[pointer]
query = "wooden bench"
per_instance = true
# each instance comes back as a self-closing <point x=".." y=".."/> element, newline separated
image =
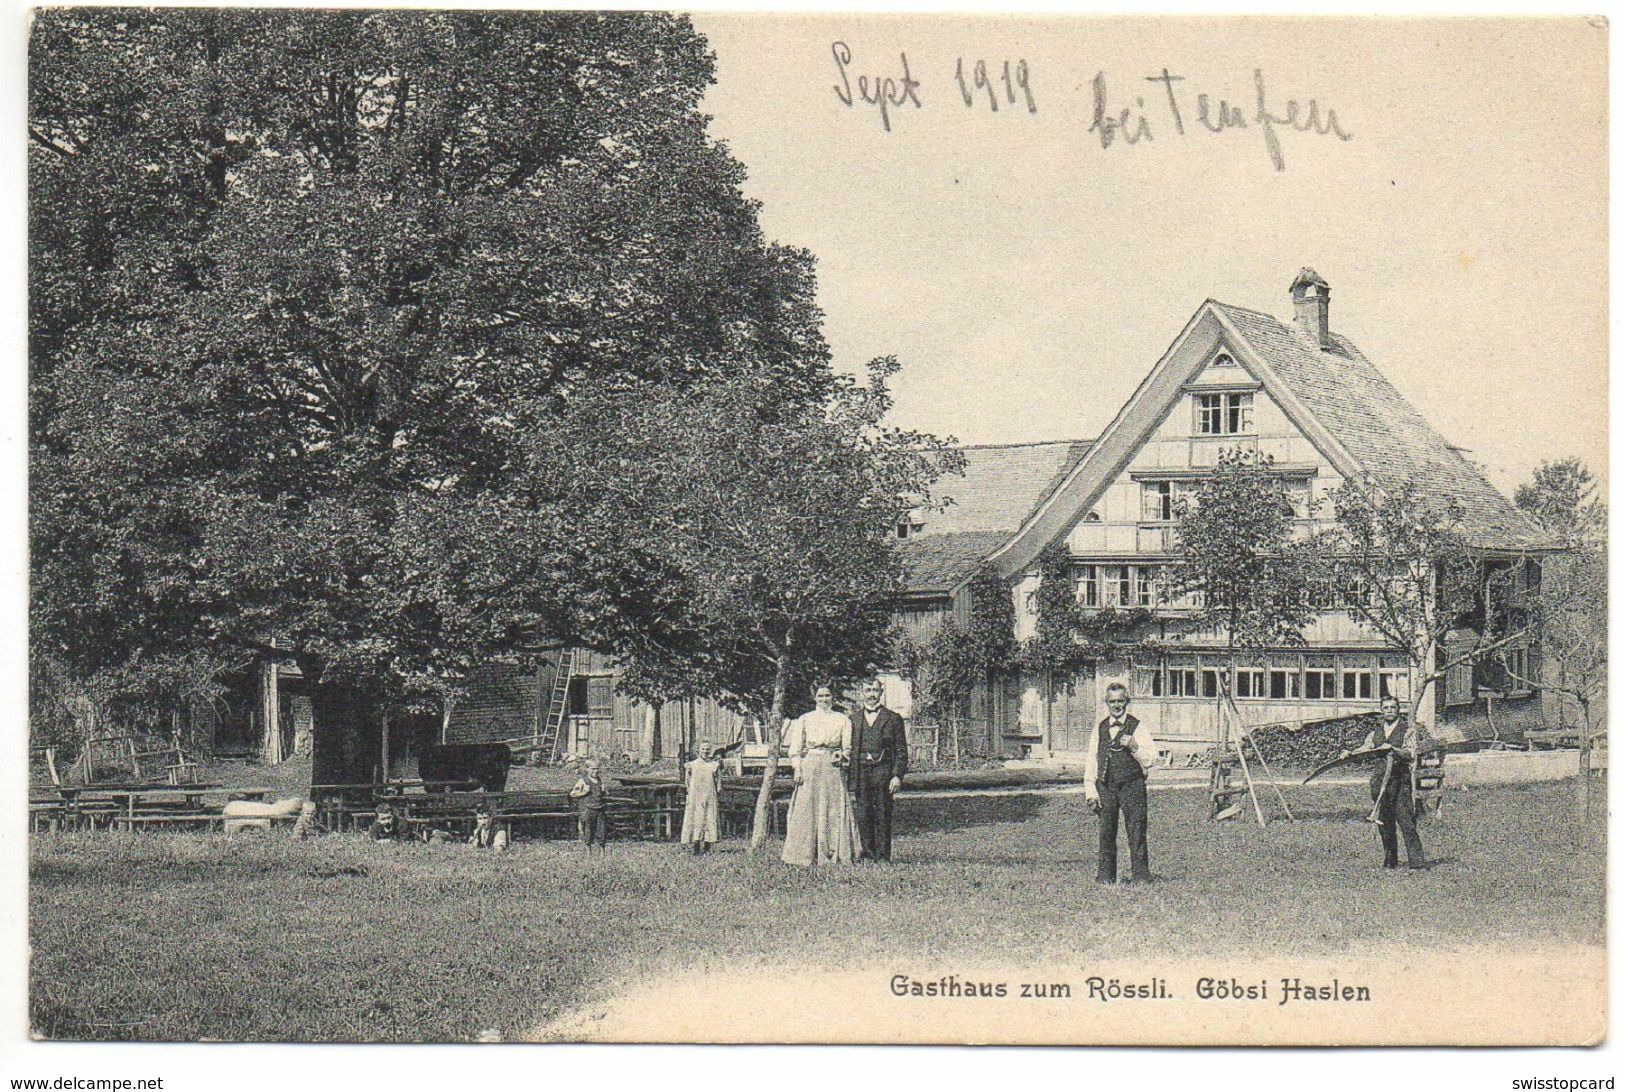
<point x="1553" y="739"/>
<point x="46" y="815"/>
<point x="90" y="814"/>
<point x="640" y="810"/>
<point x="151" y="820"/>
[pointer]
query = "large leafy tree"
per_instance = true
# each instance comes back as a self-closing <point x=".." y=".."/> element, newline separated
<point x="777" y="522"/>
<point x="312" y="296"/>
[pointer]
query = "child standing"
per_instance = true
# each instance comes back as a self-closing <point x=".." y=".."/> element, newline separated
<point x="588" y="794"/>
<point x="702" y="815"/>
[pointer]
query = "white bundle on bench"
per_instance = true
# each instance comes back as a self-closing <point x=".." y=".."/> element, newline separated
<point x="253" y="815"/>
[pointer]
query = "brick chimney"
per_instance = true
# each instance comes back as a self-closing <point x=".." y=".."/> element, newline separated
<point x="1311" y="306"/>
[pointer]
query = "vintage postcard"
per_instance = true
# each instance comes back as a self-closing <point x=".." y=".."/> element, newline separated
<point x="643" y="527"/>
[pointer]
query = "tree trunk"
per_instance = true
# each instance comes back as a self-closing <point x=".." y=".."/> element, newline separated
<point x="1582" y="791"/>
<point x="775" y="740"/>
<point x="685" y="750"/>
<point x="347" y="736"/>
<point x="383" y="745"/>
<point x="1424" y="681"/>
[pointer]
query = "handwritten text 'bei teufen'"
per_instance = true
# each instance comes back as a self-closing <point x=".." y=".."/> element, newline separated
<point x="1175" y="109"/>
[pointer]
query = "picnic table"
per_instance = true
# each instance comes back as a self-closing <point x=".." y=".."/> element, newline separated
<point x="646" y="809"/>
<point x="174" y="806"/>
<point x="1552" y="739"/>
<point x="80" y="807"/>
<point x="137" y="806"/>
<point x="638" y="806"/>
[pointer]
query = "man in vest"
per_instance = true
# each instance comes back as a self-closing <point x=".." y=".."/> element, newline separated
<point x="1391" y="785"/>
<point x="879" y="764"/>
<point x="1119" y="755"/>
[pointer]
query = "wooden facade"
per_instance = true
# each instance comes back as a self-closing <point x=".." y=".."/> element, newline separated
<point x="1234" y="380"/>
<point x="267" y="713"/>
<point x="508" y="702"/>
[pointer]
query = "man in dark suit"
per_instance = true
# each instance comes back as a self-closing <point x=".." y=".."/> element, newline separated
<point x="1114" y="781"/>
<point x="879" y="764"/>
<point x="1392" y="787"/>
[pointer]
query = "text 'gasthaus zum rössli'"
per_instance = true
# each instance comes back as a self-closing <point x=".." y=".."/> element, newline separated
<point x="1287" y="990"/>
<point x="1169" y="107"/>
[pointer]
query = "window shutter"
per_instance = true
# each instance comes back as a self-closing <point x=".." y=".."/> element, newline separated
<point x="1458" y="680"/>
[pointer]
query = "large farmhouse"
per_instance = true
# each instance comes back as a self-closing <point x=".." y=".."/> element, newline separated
<point x="1233" y="378"/>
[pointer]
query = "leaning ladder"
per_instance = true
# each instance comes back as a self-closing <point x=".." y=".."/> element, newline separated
<point x="550" y="735"/>
<point x="1225" y="791"/>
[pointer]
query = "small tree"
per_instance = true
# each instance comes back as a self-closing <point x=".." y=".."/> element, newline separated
<point x="778" y="520"/>
<point x="1054" y="648"/>
<point x="1070" y="636"/>
<point x="1569" y="612"/>
<point x="1569" y="606"/>
<point x="955" y="661"/>
<point x="1562" y="498"/>
<point x="1406" y="569"/>
<point x="1238" y="560"/>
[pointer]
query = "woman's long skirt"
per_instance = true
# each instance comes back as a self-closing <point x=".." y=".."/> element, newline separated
<point x="821" y="828"/>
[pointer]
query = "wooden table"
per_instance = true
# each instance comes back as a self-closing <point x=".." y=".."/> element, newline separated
<point x="170" y="805"/>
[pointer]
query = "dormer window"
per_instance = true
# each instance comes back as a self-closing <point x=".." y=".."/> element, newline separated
<point x="1226" y="414"/>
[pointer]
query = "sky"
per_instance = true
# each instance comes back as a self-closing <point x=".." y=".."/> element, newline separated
<point x="1028" y="276"/>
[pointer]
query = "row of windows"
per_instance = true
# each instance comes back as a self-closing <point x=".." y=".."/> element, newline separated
<point x="1352" y="677"/>
<point x="1160" y="500"/>
<point x="1146" y="586"/>
<point x="1122" y="586"/>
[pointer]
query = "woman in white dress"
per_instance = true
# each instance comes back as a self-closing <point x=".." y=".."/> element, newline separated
<point x="821" y="828"/>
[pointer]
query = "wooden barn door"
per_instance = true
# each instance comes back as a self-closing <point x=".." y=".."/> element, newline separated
<point x="1072" y="712"/>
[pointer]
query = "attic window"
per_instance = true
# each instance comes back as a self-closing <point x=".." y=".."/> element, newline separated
<point x="1224" y="414"/>
<point x="1224" y="360"/>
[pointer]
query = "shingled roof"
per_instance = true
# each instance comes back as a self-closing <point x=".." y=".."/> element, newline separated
<point x="1005" y="485"/>
<point x="1001" y="486"/>
<point x="937" y="564"/>
<point x="1392" y="442"/>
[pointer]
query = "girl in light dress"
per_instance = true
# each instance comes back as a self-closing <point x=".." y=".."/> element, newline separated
<point x="821" y="828"/>
<point x="702" y="813"/>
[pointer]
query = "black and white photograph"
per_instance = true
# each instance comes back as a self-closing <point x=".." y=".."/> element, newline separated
<point x="944" y="529"/>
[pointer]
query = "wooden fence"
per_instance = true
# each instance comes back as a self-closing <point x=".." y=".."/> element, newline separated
<point x="956" y="741"/>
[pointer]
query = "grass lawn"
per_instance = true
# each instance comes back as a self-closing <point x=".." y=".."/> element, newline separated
<point x="188" y="936"/>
